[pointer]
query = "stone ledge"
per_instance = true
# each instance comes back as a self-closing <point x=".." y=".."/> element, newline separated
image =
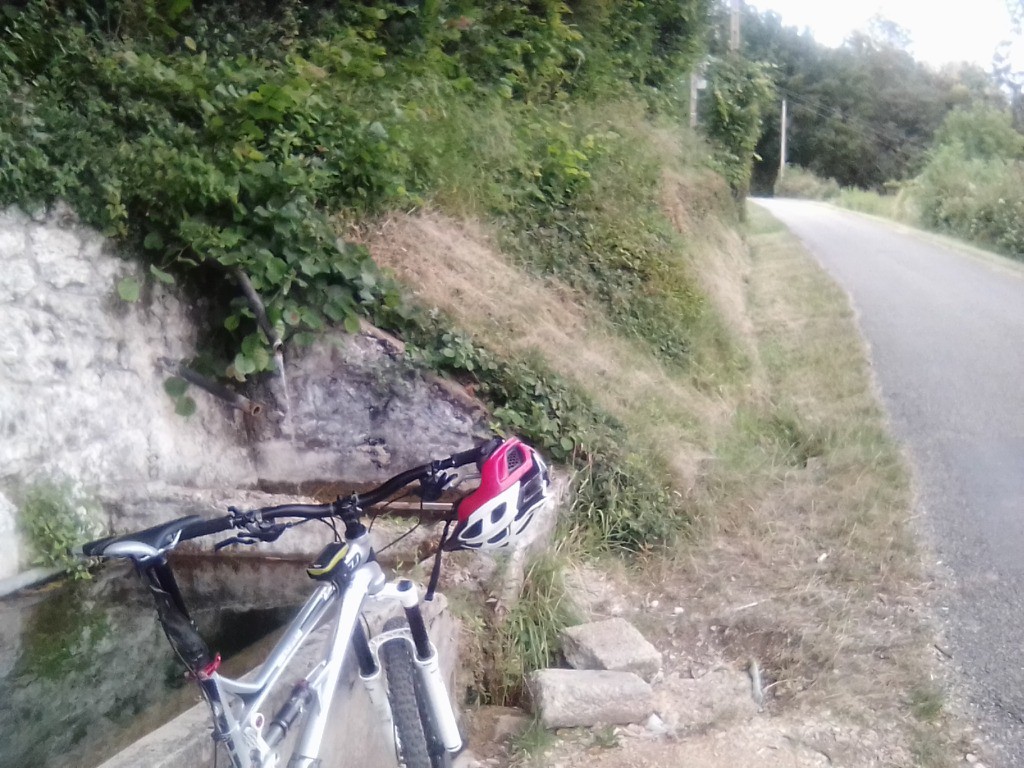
<point x="569" y="698"/>
<point x="612" y="644"/>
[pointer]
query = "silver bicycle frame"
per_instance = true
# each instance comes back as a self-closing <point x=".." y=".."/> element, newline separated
<point x="241" y="724"/>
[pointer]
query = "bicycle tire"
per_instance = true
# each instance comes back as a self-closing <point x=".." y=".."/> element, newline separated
<point x="420" y="746"/>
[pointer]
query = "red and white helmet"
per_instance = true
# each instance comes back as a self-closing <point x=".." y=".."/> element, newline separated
<point x="514" y="484"/>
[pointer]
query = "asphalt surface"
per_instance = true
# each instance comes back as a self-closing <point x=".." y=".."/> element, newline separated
<point x="945" y="327"/>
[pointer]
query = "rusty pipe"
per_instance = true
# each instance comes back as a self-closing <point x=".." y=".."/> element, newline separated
<point x="258" y="309"/>
<point x="218" y="390"/>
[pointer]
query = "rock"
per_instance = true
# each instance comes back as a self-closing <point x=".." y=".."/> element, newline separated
<point x="613" y="644"/>
<point x="721" y="696"/>
<point x="656" y="725"/>
<point x="567" y="698"/>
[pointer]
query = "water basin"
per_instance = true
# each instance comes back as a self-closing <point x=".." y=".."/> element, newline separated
<point x="85" y="668"/>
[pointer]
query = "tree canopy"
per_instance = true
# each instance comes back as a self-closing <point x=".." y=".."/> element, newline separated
<point x="865" y="113"/>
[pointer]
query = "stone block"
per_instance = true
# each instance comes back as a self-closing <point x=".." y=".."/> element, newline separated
<point x="567" y="698"/>
<point x="612" y="644"/>
<point x="720" y="697"/>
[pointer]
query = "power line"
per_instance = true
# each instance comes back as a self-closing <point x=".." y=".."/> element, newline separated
<point x="853" y="123"/>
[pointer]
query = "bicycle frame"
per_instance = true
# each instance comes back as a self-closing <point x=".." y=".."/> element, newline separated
<point x="236" y="704"/>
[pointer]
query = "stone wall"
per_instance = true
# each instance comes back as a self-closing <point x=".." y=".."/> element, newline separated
<point x="81" y="393"/>
<point x="82" y="398"/>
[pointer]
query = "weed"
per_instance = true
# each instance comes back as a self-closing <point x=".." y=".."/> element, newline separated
<point x="930" y="748"/>
<point x="801" y="183"/>
<point x="532" y="741"/>
<point x="55" y="519"/>
<point x="926" y="703"/>
<point x="606" y="738"/>
<point x="528" y="638"/>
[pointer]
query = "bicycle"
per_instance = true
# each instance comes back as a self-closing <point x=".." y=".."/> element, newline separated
<point x="398" y="667"/>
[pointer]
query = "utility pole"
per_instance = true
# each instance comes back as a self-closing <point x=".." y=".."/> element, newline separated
<point x="734" y="27"/>
<point x="782" y="149"/>
<point x="694" y="93"/>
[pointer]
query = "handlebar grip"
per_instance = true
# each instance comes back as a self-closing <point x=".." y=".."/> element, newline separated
<point x="207" y="527"/>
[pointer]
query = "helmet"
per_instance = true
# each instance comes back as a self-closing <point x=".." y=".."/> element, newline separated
<point x="513" y="485"/>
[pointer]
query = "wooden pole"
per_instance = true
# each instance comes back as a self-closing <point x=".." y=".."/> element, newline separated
<point x="782" y="149"/>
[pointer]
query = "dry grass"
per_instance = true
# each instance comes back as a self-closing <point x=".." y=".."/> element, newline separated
<point x="803" y="559"/>
<point x="455" y="266"/>
<point x="807" y="515"/>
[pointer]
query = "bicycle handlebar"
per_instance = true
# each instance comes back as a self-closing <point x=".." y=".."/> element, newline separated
<point x="347" y="508"/>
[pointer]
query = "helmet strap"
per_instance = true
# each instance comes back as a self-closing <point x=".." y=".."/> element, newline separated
<point x="435" y="573"/>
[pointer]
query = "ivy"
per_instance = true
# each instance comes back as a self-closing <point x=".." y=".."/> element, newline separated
<point x="228" y="144"/>
<point x="622" y="500"/>
<point x="741" y="92"/>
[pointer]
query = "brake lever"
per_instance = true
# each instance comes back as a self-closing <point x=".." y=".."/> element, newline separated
<point x="432" y="487"/>
<point x="460" y="478"/>
<point x="255" y="533"/>
<point x="246" y="540"/>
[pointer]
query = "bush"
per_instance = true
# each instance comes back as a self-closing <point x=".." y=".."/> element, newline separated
<point x="981" y="200"/>
<point x="806" y="185"/>
<point x="981" y="133"/>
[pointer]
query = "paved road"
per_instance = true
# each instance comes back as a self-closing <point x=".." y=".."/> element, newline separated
<point x="946" y="331"/>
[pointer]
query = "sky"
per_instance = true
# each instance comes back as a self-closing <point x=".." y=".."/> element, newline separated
<point x="940" y="31"/>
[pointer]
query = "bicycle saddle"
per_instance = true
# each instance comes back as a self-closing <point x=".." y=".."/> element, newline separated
<point x="150" y="542"/>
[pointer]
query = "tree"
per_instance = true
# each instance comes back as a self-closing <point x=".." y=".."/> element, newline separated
<point x="981" y="133"/>
<point x="864" y="113"/>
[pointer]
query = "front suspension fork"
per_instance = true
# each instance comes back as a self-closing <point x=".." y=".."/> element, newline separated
<point x="425" y="659"/>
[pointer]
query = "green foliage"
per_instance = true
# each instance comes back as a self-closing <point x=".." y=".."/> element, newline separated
<point x="176" y="388"/>
<point x="806" y="185"/>
<point x="864" y="113"/>
<point x="977" y="199"/>
<point x="210" y="163"/>
<point x="230" y="142"/>
<point x="216" y="139"/>
<point x="623" y="502"/>
<point x="981" y="133"/>
<point x="55" y="519"/>
<point x="649" y="43"/>
<point x="532" y="741"/>
<point x="594" y="221"/>
<point x="899" y="205"/>
<point x="927" y="703"/>
<point x="740" y="94"/>
<point x="528" y="639"/>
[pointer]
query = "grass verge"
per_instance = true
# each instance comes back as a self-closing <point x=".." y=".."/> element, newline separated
<point x="806" y="517"/>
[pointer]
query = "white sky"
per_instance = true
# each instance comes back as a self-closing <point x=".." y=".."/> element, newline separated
<point x="940" y="31"/>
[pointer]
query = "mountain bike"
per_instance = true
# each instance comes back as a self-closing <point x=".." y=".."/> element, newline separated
<point x="398" y="667"/>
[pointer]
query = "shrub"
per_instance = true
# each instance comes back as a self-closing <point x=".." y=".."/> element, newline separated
<point x="981" y="200"/>
<point x="981" y="133"/>
<point x="804" y="184"/>
<point x="55" y="518"/>
<point x="740" y="93"/>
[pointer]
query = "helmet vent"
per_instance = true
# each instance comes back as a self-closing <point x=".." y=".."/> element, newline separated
<point x="498" y="512"/>
<point x="474" y="530"/>
<point x="515" y="460"/>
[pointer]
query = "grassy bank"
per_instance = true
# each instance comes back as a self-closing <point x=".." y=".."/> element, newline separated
<point x="770" y="442"/>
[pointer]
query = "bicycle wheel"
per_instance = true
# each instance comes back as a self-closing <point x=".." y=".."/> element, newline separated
<point x="419" y="745"/>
